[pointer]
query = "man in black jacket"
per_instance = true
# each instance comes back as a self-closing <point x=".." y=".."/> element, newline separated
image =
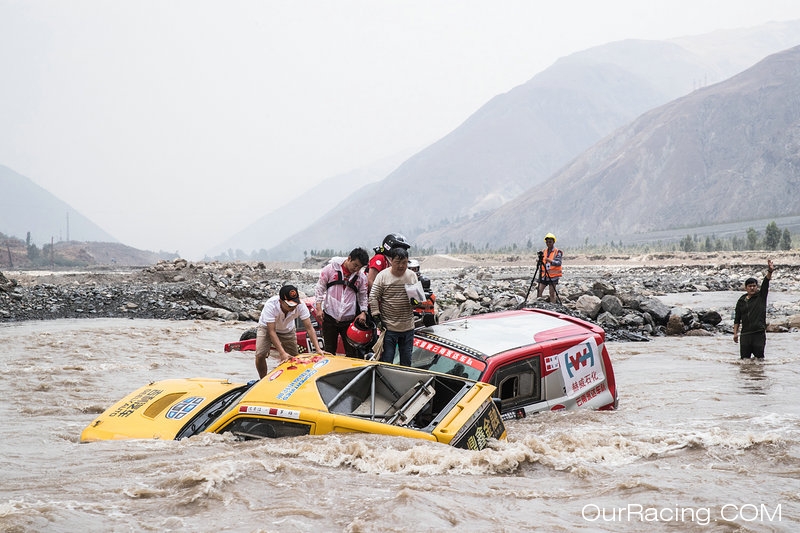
<point x="751" y="315"/>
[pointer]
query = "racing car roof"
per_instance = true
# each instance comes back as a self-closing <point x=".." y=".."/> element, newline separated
<point x="493" y="333"/>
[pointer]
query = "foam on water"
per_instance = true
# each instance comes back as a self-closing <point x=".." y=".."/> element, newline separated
<point x="695" y="427"/>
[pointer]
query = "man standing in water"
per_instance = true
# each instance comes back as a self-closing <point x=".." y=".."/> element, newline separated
<point x="751" y="315"/>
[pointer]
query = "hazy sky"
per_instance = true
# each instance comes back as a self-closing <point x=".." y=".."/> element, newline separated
<point x="175" y="124"/>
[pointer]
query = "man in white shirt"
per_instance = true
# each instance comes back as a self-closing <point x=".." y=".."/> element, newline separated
<point x="276" y="327"/>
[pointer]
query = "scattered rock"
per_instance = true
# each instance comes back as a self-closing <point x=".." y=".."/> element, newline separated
<point x="656" y="309"/>
<point x="589" y="304"/>
<point x="675" y="325"/>
<point x="621" y="299"/>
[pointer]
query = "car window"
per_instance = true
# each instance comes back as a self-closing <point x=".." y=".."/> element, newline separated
<point x="212" y="412"/>
<point x="432" y="357"/>
<point x="518" y="383"/>
<point x="247" y="428"/>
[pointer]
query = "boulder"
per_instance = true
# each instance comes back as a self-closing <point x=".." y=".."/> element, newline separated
<point x="589" y="305"/>
<point x="656" y="309"/>
<point x="709" y="317"/>
<point x="612" y="304"/>
<point x="602" y="287"/>
<point x="607" y="320"/>
<point x="675" y="325"/>
<point x="630" y="300"/>
<point x="472" y="294"/>
<point x="469" y="308"/>
<point x="633" y="319"/>
<point x="699" y="333"/>
<point x="686" y="315"/>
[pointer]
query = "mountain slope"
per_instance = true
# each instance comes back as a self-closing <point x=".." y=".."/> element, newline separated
<point x="724" y="153"/>
<point x="273" y="227"/>
<point x="26" y="207"/>
<point x="513" y="142"/>
<point x="519" y="139"/>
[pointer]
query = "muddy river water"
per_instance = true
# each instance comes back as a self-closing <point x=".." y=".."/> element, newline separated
<point x="701" y="442"/>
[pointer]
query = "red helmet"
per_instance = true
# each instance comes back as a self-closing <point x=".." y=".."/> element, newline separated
<point x="359" y="335"/>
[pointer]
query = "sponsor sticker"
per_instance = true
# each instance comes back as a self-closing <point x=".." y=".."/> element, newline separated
<point x="582" y="370"/>
<point x="141" y="399"/>
<point x="296" y="383"/>
<point x="269" y="411"/>
<point x="449" y="353"/>
<point x="184" y="407"/>
<point x="550" y="364"/>
<point x="480" y="428"/>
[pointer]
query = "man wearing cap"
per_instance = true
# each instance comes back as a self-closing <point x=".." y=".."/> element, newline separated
<point x="276" y="327"/>
<point x="550" y="271"/>
<point x="751" y="317"/>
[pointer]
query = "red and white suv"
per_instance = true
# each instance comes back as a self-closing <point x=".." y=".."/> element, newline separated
<point x="539" y="360"/>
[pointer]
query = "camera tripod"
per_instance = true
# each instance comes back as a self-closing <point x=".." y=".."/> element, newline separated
<point x="544" y="277"/>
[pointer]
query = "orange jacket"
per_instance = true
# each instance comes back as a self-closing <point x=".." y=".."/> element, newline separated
<point x="555" y="266"/>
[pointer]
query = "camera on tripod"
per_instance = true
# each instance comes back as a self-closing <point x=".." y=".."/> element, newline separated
<point x="541" y="255"/>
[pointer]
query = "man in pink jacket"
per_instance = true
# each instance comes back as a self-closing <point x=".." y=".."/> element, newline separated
<point x="341" y="297"/>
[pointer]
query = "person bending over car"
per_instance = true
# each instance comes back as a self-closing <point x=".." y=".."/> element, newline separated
<point x="276" y="327"/>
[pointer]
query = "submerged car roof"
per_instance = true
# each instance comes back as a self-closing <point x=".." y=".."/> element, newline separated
<point x="493" y="333"/>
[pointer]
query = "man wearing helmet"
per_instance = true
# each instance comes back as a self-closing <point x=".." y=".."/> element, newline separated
<point x="383" y="254"/>
<point x="550" y="271"/>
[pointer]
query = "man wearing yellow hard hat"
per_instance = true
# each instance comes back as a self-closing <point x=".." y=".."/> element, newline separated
<point x="550" y="271"/>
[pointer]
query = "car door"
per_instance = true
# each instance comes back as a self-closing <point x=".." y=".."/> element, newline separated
<point x="519" y="383"/>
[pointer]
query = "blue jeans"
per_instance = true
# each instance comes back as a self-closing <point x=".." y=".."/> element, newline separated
<point x="402" y="339"/>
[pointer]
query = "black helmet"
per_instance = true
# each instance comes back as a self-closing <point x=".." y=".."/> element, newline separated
<point x="394" y="240"/>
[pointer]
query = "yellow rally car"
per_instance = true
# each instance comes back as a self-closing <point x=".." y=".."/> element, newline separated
<point x="311" y="394"/>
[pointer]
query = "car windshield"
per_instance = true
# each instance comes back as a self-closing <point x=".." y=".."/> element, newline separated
<point x="431" y="356"/>
<point x="212" y="412"/>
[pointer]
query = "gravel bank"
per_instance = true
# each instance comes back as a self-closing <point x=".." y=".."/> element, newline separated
<point x="631" y="297"/>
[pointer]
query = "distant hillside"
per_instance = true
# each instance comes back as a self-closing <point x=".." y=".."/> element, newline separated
<point x="26" y="207"/>
<point x="273" y="227"/>
<point x="15" y="255"/>
<point x="725" y="153"/>
<point x="521" y="138"/>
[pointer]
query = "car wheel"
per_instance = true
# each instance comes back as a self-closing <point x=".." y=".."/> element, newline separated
<point x="248" y="334"/>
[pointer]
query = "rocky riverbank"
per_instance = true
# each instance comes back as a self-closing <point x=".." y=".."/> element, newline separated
<point x="633" y="298"/>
